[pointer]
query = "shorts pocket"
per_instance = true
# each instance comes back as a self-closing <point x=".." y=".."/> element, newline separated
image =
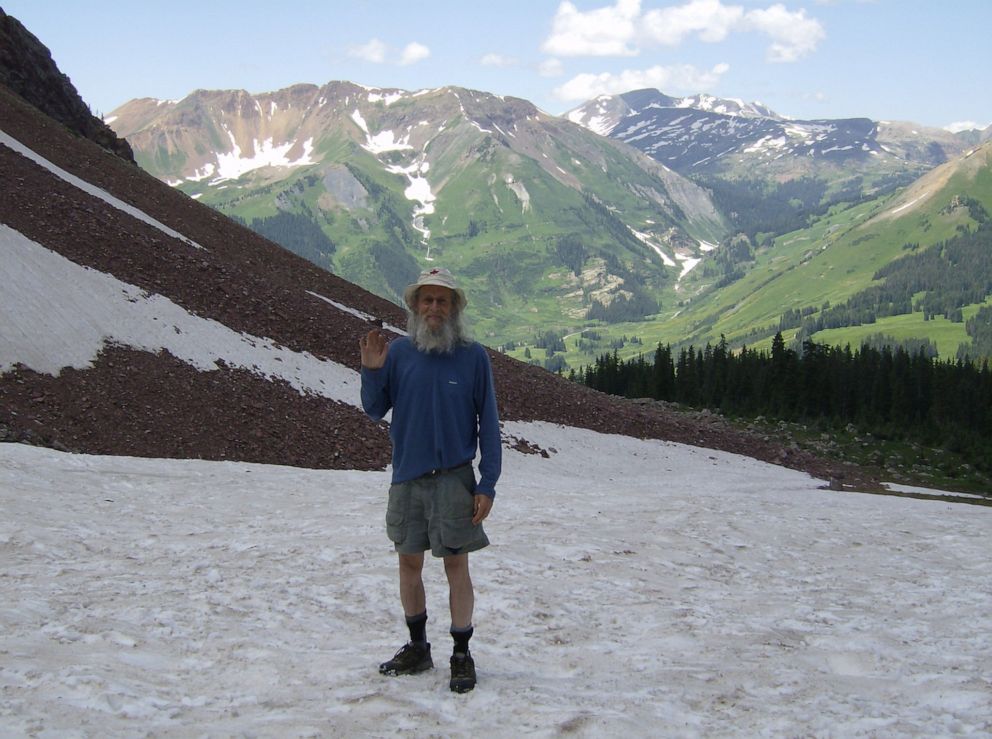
<point x="459" y="532"/>
<point x="396" y="512"/>
<point x="458" y="506"/>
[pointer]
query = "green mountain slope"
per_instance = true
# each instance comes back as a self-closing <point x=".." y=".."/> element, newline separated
<point x="543" y="218"/>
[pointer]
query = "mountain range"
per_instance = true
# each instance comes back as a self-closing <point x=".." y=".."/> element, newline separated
<point x="703" y="135"/>
<point x="621" y="224"/>
<point x="541" y="216"/>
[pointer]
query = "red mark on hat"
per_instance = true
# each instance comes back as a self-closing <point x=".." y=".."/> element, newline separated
<point x="435" y="271"/>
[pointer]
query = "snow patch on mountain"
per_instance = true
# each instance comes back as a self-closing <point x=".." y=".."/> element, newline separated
<point x="689" y="263"/>
<point x="419" y="191"/>
<point x="233" y="164"/>
<point x="768" y="142"/>
<point x="386" y="141"/>
<point x="631" y="133"/>
<point x="386" y="97"/>
<point x="359" y="120"/>
<point x="382" y="142"/>
<point x="357" y="313"/>
<point x="726" y="106"/>
<point x="646" y="238"/>
<point x="600" y="120"/>
<point x="418" y="188"/>
<point x="48" y="330"/>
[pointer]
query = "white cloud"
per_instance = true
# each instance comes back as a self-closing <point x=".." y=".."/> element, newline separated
<point x="960" y="126"/>
<point x="710" y="19"/>
<point x="602" y="32"/>
<point x="623" y="29"/>
<point x="378" y="52"/>
<point x="413" y="53"/>
<point x="679" y="77"/>
<point x="498" y="60"/>
<point x="793" y="34"/>
<point x="551" y="68"/>
<point x="373" y="51"/>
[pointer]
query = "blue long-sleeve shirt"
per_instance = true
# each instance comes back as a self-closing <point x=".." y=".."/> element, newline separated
<point x="444" y="407"/>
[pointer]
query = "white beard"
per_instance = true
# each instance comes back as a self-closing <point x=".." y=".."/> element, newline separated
<point x="441" y="340"/>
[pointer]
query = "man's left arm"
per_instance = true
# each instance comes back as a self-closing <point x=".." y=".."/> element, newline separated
<point x="490" y="444"/>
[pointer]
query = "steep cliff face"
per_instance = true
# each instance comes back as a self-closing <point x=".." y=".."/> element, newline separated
<point x="27" y="68"/>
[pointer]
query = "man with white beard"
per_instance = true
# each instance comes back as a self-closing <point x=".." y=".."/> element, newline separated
<point x="439" y="385"/>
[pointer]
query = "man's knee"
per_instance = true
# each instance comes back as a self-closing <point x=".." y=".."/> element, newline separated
<point x="411" y="563"/>
<point x="456" y="565"/>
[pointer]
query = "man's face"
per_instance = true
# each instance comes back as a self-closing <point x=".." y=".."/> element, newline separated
<point x="434" y="304"/>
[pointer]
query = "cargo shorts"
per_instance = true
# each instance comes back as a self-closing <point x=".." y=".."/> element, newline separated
<point x="435" y="512"/>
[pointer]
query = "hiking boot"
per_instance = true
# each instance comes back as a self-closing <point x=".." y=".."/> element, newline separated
<point x="411" y="659"/>
<point x="462" y="673"/>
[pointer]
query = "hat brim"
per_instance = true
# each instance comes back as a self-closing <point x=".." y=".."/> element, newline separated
<point x="411" y="293"/>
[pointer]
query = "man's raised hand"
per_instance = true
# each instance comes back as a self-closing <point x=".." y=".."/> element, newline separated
<point x="374" y="348"/>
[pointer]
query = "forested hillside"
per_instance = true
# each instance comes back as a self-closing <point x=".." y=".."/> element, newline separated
<point x="890" y="394"/>
<point x="940" y="280"/>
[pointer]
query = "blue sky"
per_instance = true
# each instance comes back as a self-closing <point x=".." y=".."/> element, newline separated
<point x="912" y="60"/>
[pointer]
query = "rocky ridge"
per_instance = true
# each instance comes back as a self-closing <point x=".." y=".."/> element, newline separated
<point x="27" y="69"/>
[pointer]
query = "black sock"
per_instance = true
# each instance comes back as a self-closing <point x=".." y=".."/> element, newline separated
<point x="461" y="637"/>
<point x="418" y="628"/>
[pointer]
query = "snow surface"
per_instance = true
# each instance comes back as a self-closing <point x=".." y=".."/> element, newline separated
<point x="633" y="587"/>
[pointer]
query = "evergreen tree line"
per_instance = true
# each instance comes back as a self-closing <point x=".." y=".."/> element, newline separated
<point x="755" y="208"/>
<point x="623" y="308"/>
<point x="979" y="328"/>
<point x="891" y="393"/>
<point x="551" y="341"/>
<point x="297" y="233"/>
<point x="597" y="216"/>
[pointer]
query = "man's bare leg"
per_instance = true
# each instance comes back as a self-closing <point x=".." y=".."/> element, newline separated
<point x="461" y="596"/>
<point x="412" y="594"/>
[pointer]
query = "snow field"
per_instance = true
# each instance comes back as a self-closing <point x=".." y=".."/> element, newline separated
<point x="639" y="587"/>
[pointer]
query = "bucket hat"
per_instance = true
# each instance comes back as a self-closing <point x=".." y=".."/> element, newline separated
<point x="434" y="276"/>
